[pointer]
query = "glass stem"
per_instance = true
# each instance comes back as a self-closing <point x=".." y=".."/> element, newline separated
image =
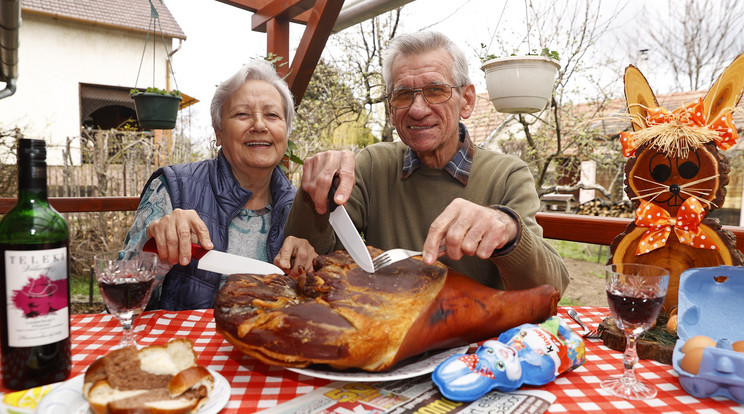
<point x="127" y="331"/>
<point x="630" y="357"/>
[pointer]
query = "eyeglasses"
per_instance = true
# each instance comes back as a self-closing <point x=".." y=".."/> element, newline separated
<point x="434" y="94"/>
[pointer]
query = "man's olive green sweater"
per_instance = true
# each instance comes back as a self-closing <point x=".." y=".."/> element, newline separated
<point x="392" y="213"/>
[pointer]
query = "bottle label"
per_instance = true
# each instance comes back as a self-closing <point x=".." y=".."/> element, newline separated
<point x="36" y="285"/>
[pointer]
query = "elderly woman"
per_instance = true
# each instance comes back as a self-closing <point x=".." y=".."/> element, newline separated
<point x="237" y="202"/>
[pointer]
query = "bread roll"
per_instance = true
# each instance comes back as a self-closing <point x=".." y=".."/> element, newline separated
<point x="158" y="379"/>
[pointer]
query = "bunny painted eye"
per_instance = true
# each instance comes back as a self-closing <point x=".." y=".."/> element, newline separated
<point x="500" y="365"/>
<point x="689" y="168"/>
<point x="660" y="168"/>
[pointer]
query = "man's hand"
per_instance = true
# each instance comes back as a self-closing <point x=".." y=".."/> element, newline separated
<point x="174" y="234"/>
<point x="468" y="229"/>
<point x="295" y="253"/>
<point x="318" y="173"/>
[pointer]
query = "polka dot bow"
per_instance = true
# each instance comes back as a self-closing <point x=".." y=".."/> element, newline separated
<point x="660" y="223"/>
<point x="692" y="114"/>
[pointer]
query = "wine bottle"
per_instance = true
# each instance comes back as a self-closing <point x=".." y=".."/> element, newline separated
<point x="34" y="291"/>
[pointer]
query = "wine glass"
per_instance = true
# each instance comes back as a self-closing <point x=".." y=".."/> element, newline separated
<point x="126" y="280"/>
<point x="635" y="293"/>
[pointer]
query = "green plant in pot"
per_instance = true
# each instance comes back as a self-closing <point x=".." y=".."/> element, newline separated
<point x="156" y="108"/>
<point x="521" y="84"/>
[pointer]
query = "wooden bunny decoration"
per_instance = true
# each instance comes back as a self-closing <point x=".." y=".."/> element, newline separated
<point x="675" y="174"/>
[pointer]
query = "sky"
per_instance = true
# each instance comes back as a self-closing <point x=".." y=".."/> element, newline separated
<point x="219" y="40"/>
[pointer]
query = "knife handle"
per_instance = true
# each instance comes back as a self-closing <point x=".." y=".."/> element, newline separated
<point x="197" y="251"/>
<point x="331" y="202"/>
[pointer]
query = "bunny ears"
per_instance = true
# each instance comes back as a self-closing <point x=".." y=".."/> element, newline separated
<point x="687" y="127"/>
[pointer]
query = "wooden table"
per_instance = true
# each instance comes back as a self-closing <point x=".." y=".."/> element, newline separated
<point x="256" y="386"/>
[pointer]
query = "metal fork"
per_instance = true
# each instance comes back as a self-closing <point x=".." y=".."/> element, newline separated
<point x="391" y="256"/>
<point x="589" y="334"/>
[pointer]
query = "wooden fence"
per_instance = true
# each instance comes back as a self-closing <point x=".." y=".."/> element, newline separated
<point x="98" y="184"/>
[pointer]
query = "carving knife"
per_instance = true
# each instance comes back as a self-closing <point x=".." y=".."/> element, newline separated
<point x="224" y="263"/>
<point x="348" y="234"/>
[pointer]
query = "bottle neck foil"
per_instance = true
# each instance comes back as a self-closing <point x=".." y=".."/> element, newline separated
<point x="32" y="168"/>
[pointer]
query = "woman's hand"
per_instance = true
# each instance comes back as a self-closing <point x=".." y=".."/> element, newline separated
<point x="174" y="233"/>
<point x="295" y="253"/>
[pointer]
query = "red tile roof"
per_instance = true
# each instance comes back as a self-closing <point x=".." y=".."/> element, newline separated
<point x="485" y="119"/>
<point x="125" y="14"/>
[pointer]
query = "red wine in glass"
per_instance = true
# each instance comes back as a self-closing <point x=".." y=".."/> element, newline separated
<point x="126" y="280"/>
<point x="634" y="313"/>
<point x="635" y="294"/>
<point x="126" y="294"/>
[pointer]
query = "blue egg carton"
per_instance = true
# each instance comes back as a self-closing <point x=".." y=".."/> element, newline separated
<point x="711" y="306"/>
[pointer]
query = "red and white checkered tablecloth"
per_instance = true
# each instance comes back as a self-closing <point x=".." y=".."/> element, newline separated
<point x="578" y="391"/>
<point x="256" y="386"/>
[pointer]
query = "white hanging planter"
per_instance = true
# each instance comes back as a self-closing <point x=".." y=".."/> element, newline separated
<point x="520" y="84"/>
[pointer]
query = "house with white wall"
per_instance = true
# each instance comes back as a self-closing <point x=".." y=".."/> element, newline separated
<point x="77" y="61"/>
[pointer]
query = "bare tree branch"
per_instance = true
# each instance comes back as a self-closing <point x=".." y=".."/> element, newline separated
<point x="695" y="39"/>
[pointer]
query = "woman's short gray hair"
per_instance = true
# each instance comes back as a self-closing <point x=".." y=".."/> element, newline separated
<point x="257" y="69"/>
<point x="423" y="42"/>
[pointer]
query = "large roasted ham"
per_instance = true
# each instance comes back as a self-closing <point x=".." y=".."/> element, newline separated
<point x="340" y="315"/>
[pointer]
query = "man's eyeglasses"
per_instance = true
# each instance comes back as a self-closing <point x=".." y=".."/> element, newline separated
<point x="434" y="94"/>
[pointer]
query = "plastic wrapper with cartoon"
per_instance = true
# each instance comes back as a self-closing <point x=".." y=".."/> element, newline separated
<point x="527" y="354"/>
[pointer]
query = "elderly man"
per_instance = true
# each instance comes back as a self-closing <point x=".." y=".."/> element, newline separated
<point x="435" y="188"/>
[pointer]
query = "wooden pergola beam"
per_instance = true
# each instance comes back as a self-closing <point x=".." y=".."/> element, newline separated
<point x="255" y="5"/>
<point x="274" y="16"/>
<point x="284" y="10"/>
<point x="277" y="44"/>
<point x="319" y="27"/>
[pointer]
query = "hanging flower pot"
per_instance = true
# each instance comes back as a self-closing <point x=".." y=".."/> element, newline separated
<point x="520" y="84"/>
<point x="156" y="109"/>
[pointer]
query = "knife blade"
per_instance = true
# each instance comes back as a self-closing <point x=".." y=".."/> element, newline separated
<point x="348" y="234"/>
<point x="221" y="262"/>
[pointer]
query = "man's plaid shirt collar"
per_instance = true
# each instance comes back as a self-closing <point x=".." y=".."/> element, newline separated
<point x="458" y="167"/>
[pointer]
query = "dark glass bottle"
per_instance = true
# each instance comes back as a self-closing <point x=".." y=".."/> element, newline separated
<point x="34" y="291"/>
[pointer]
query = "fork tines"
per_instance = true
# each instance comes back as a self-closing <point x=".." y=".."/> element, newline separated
<point x="594" y="333"/>
<point x="380" y="261"/>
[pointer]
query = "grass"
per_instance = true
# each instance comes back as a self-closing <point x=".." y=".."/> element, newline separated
<point x="568" y="302"/>
<point x="579" y="251"/>
<point x="598" y="275"/>
<point x="80" y="286"/>
<point x="659" y="333"/>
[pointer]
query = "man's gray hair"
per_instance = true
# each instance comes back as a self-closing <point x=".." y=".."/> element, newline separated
<point x="423" y="42"/>
<point x="257" y="69"/>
